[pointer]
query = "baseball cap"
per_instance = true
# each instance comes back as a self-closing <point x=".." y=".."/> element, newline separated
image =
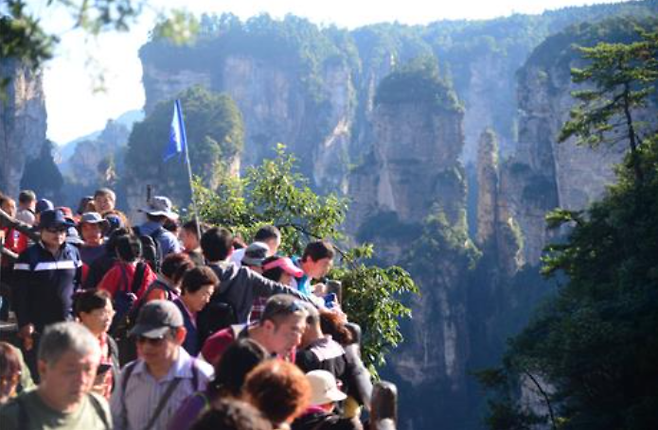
<point x="255" y="254"/>
<point x="156" y="318"/>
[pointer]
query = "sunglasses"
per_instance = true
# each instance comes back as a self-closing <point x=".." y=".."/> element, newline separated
<point x="55" y="230"/>
<point x="154" y="341"/>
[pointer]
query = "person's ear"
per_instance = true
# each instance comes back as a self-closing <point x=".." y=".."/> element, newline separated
<point x="42" y="368"/>
<point x="180" y="335"/>
<point x="269" y="326"/>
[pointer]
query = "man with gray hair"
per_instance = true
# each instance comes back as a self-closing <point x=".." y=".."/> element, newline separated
<point x="68" y="358"/>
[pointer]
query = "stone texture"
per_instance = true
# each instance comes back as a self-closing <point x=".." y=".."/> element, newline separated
<point x="23" y="130"/>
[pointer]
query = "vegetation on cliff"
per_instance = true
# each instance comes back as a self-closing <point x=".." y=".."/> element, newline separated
<point x="590" y="350"/>
<point x="214" y="132"/>
<point x="417" y="82"/>
<point x="274" y="193"/>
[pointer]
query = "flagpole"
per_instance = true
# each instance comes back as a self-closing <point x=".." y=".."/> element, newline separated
<point x="189" y="172"/>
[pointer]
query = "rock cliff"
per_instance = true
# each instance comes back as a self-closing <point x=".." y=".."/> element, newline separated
<point x="23" y="131"/>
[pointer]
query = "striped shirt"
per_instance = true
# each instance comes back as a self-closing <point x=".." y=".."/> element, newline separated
<point x="133" y="410"/>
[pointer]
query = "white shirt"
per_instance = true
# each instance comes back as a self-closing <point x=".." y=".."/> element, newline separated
<point x="143" y="392"/>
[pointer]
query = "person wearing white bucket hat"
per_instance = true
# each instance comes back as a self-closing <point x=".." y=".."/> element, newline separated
<point x="324" y="395"/>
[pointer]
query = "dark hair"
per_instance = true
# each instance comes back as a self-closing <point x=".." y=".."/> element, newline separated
<point x="280" y="306"/>
<point x="125" y="222"/>
<point x="190" y="227"/>
<point x="111" y="244"/>
<point x="10" y="362"/>
<point x="26" y="196"/>
<point x="82" y="206"/>
<point x="333" y="325"/>
<point x="196" y="278"/>
<point x="238" y="242"/>
<point x="156" y="218"/>
<point x="129" y="248"/>
<point x="216" y="244"/>
<point x="171" y="225"/>
<point x="318" y="250"/>
<point x="90" y="300"/>
<point x="232" y="368"/>
<point x="278" y="389"/>
<point x="174" y="266"/>
<point x="267" y="232"/>
<point x="231" y="414"/>
<point x="275" y="272"/>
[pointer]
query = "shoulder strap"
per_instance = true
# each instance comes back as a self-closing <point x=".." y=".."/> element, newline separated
<point x="124" y="277"/>
<point x="99" y="410"/>
<point x="195" y="375"/>
<point x="138" y="277"/>
<point x="163" y="402"/>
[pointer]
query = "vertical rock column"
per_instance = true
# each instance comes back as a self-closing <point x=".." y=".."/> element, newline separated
<point x="23" y="129"/>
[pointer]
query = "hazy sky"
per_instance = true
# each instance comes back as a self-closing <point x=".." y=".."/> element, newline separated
<point x="75" y="110"/>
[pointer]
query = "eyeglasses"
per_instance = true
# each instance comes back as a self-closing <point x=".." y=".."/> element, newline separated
<point x="154" y="341"/>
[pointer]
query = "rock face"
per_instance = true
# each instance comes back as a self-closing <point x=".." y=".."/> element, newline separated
<point x="413" y="165"/>
<point x="545" y="174"/>
<point x="24" y="123"/>
<point x="276" y="107"/>
<point x="487" y="179"/>
<point x="94" y="161"/>
<point x="489" y="99"/>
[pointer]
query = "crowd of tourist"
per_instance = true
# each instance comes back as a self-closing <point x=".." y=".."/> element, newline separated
<point x="168" y="325"/>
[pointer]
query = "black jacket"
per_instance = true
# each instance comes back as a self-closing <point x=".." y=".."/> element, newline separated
<point x="320" y="420"/>
<point x="45" y="285"/>
<point x="238" y="286"/>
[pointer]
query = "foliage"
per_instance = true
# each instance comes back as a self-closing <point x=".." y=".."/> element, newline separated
<point x="23" y="38"/>
<point x="274" y="193"/>
<point x="623" y="75"/>
<point x="417" y="82"/>
<point x="292" y="43"/>
<point x="594" y="343"/>
<point x="215" y="135"/>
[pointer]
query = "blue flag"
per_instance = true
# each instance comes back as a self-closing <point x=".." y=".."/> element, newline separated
<point x="177" y="137"/>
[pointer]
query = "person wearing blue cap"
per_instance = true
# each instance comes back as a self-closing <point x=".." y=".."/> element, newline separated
<point x="48" y="273"/>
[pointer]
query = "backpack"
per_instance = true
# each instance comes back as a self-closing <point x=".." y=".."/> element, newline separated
<point x="151" y="248"/>
<point x="155" y="285"/>
<point x="125" y="299"/>
<point x="216" y="315"/>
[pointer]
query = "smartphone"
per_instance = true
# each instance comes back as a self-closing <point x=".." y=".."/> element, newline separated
<point x="330" y="300"/>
